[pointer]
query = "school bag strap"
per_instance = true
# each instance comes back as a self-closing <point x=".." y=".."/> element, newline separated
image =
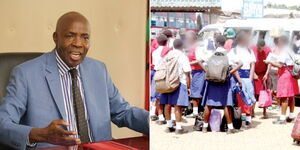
<point x="165" y="51"/>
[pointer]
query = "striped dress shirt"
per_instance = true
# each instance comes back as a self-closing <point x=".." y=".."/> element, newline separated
<point x="66" y="84"/>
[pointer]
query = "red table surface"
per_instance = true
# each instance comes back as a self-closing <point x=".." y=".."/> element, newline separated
<point x="141" y="143"/>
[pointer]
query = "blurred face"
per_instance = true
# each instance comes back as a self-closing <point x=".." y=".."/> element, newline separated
<point x="281" y="43"/>
<point x="72" y="40"/>
<point x="190" y="39"/>
<point x="244" y="40"/>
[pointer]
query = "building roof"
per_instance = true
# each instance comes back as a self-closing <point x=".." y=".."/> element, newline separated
<point x="184" y="5"/>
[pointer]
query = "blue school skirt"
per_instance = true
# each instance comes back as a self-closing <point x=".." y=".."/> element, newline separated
<point x="178" y="97"/>
<point x="244" y="73"/>
<point x="197" y="83"/>
<point x="153" y="94"/>
<point x="247" y="93"/>
<point x="219" y="94"/>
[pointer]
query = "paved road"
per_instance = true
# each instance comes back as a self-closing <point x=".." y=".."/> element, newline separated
<point x="263" y="136"/>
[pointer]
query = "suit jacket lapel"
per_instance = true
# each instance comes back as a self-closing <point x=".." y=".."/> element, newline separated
<point x="52" y="76"/>
<point x="90" y="91"/>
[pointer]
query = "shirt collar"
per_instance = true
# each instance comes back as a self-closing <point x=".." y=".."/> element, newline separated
<point x="63" y="68"/>
<point x="220" y="49"/>
<point x="240" y="47"/>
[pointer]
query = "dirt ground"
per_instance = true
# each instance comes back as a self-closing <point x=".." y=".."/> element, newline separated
<point x="262" y="136"/>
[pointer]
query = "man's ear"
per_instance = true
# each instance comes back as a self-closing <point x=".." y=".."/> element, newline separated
<point x="55" y="37"/>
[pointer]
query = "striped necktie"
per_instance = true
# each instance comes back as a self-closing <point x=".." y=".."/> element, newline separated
<point x="79" y="109"/>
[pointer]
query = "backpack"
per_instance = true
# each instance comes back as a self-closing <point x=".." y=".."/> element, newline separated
<point x="166" y="77"/>
<point x="296" y="68"/>
<point x="217" y="68"/>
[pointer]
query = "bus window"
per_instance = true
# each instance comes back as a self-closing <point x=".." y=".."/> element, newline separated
<point x="269" y="40"/>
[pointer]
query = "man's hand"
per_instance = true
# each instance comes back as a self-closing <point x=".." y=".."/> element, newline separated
<point x="53" y="134"/>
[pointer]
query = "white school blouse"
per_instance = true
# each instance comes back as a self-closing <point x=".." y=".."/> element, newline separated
<point x="244" y="55"/>
<point x="200" y="54"/>
<point x="220" y="49"/>
<point x="286" y="56"/>
<point x="156" y="56"/>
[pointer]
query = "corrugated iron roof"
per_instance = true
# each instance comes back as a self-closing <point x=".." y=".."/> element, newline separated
<point x="185" y="3"/>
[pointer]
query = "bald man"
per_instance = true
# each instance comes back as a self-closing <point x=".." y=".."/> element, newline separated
<point x="63" y="97"/>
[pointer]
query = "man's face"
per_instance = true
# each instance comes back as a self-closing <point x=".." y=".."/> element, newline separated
<point x="72" y="42"/>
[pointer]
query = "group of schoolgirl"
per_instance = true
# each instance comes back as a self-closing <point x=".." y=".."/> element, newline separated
<point x="193" y="84"/>
<point x="169" y="105"/>
<point x="248" y="67"/>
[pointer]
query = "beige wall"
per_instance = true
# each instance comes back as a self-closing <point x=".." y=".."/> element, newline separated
<point x="118" y="37"/>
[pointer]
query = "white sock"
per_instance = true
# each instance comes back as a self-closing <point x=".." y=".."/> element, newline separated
<point x="248" y="118"/>
<point x="282" y="117"/>
<point x="173" y="116"/>
<point x="169" y="124"/>
<point x="195" y="110"/>
<point x="205" y="125"/>
<point x="230" y="126"/>
<point x="152" y="111"/>
<point x="161" y="117"/>
<point x="291" y="115"/>
<point x="178" y="125"/>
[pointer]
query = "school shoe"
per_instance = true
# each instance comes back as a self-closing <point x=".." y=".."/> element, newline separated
<point x="204" y="129"/>
<point x="231" y="131"/>
<point x="247" y="125"/>
<point x="181" y="131"/>
<point x="288" y="119"/>
<point x="153" y="118"/>
<point x="161" y="122"/>
<point x="169" y="130"/>
<point x="279" y="121"/>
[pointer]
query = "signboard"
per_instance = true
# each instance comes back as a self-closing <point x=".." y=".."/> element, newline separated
<point x="253" y="8"/>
